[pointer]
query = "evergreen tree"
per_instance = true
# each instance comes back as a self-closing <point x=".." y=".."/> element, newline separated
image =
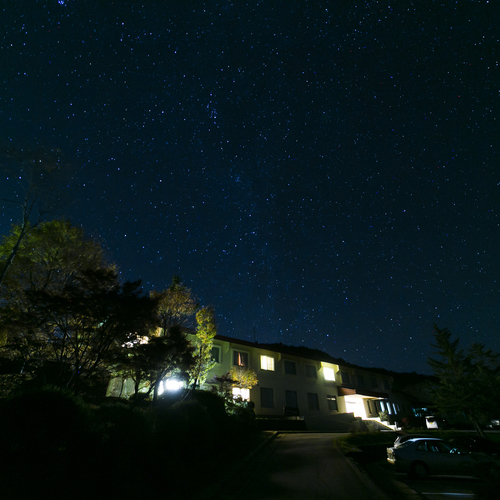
<point x="468" y="382"/>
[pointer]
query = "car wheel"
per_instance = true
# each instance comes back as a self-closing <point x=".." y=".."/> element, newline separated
<point x="419" y="470"/>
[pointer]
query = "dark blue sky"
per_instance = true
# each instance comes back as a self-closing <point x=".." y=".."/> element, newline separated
<point x="322" y="173"/>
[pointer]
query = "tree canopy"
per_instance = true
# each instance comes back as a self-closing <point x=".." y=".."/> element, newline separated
<point x="468" y="381"/>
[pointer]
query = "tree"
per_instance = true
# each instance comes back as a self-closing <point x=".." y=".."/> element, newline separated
<point x="149" y="363"/>
<point x="85" y="323"/>
<point x="37" y="169"/>
<point x="176" y="305"/>
<point x="48" y="258"/>
<point x="244" y="378"/>
<point x="63" y="307"/>
<point x="203" y="343"/>
<point x="239" y="377"/>
<point x="467" y="381"/>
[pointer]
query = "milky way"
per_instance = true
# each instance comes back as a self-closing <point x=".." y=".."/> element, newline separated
<point x="322" y="173"/>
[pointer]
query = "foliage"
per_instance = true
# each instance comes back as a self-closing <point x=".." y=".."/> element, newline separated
<point x="42" y="420"/>
<point x="352" y="441"/>
<point x="241" y="377"/>
<point x="148" y="363"/>
<point x="176" y="305"/>
<point x="40" y="172"/>
<point x="63" y="307"/>
<point x="48" y="259"/>
<point x="244" y="378"/>
<point x="83" y="325"/>
<point x="203" y="343"/>
<point x="384" y="416"/>
<point x="468" y="382"/>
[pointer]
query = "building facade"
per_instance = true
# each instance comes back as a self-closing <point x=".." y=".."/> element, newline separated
<point x="307" y="383"/>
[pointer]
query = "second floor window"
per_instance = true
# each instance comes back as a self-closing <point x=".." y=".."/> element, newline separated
<point x="290" y="367"/>
<point x="240" y="359"/>
<point x="311" y="371"/>
<point x="267" y="363"/>
<point x="329" y="373"/>
<point x="216" y="354"/>
<point x="345" y="377"/>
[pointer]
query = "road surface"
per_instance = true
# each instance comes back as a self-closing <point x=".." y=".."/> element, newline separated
<point x="299" y="467"/>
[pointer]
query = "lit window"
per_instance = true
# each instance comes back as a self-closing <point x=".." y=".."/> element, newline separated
<point x="329" y="373"/>
<point x="240" y="359"/>
<point x="267" y="363"/>
<point x="244" y="393"/>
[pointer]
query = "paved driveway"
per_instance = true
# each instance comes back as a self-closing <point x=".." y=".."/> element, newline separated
<point x="302" y="466"/>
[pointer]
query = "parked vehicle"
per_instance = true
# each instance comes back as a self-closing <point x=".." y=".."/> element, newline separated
<point x="403" y="438"/>
<point x="494" y="424"/>
<point x="421" y="457"/>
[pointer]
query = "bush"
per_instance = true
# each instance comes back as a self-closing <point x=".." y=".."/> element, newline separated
<point x="43" y="420"/>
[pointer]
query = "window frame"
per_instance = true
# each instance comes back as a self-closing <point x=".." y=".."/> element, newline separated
<point x="267" y="363"/>
<point x="332" y="401"/>
<point x="289" y="362"/>
<point x="219" y="351"/>
<point x="244" y="353"/>
<point x="310" y="367"/>
<point x="269" y="393"/>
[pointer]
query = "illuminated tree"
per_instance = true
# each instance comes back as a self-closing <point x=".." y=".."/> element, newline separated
<point x="176" y="305"/>
<point x="203" y="343"/>
<point x="243" y="378"/>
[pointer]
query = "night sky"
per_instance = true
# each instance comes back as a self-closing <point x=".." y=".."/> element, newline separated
<point x="323" y="173"/>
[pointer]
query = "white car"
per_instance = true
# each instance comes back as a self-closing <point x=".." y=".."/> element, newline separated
<point x="423" y="456"/>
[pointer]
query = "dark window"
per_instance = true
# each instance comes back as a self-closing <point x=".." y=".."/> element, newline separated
<point x="312" y="400"/>
<point x="290" y="367"/>
<point x="291" y="399"/>
<point x="266" y="397"/>
<point x="240" y="359"/>
<point x="311" y="371"/>
<point x="385" y="383"/>
<point x="361" y="380"/>
<point x="346" y="379"/>
<point x="373" y="381"/>
<point x="216" y="354"/>
<point x="332" y="403"/>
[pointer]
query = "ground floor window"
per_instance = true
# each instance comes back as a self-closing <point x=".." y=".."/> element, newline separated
<point x="332" y="403"/>
<point x="244" y="393"/>
<point x="266" y="397"/>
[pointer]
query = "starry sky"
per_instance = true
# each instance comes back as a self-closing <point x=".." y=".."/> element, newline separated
<point x="323" y="173"/>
